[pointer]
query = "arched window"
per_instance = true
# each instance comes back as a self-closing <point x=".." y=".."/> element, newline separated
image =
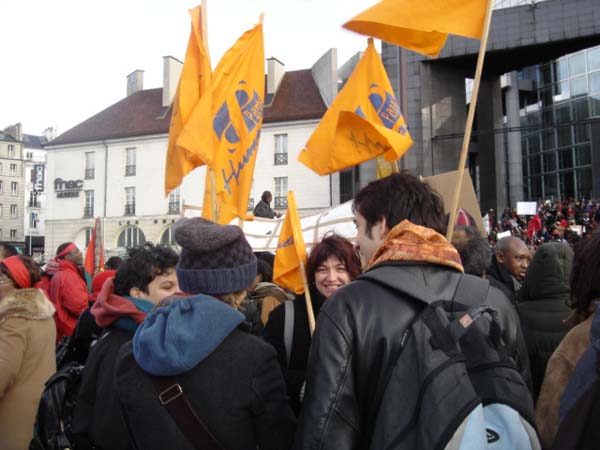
<point x="168" y="237"/>
<point x="82" y="239"/>
<point x="131" y="237"/>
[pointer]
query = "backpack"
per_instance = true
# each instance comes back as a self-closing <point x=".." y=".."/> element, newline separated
<point x="452" y="385"/>
<point x="54" y="420"/>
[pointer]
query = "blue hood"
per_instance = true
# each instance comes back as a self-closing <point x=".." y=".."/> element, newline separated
<point x="175" y="338"/>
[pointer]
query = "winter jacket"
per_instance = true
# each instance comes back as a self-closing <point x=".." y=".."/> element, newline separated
<point x="231" y="378"/>
<point x="98" y="419"/>
<point x="27" y="360"/>
<point x="558" y="372"/>
<point x="268" y="295"/>
<point x="263" y="209"/>
<point x="359" y="332"/>
<point x="70" y="296"/>
<point x="294" y="373"/>
<point x="501" y="279"/>
<point x="542" y="308"/>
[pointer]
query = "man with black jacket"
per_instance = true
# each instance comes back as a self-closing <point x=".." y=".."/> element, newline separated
<point x="509" y="266"/>
<point x="400" y="225"/>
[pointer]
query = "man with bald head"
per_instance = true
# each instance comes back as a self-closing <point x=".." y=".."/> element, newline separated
<point x="509" y="265"/>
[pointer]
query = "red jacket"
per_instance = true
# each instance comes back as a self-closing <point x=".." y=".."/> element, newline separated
<point x="70" y="296"/>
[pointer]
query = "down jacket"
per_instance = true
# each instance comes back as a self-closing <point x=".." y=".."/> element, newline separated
<point x="70" y="296"/>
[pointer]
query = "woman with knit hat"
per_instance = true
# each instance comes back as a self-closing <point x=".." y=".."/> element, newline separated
<point x="27" y="339"/>
<point x="230" y="379"/>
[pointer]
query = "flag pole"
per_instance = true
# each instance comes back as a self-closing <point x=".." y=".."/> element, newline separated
<point x="309" y="307"/>
<point x="470" y="118"/>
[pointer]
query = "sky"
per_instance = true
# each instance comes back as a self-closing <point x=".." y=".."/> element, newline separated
<point x="66" y="60"/>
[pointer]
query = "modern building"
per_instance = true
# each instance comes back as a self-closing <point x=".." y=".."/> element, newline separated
<point x="112" y="165"/>
<point x="12" y="186"/>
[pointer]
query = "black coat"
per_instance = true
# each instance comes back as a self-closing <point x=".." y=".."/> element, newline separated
<point x="542" y="305"/>
<point x="97" y="416"/>
<point x="501" y="279"/>
<point x="358" y="333"/>
<point x="237" y="391"/>
<point x="294" y="373"/>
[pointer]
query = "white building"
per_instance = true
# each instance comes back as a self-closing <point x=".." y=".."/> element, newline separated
<point x="112" y="165"/>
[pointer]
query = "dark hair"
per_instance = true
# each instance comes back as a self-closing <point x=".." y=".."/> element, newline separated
<point x="9" y="249"/>
<point x="30" y="265"/>
<point x="475" y="251"/>
<point x="398" y="197"/>
<point x="337" y="246"/>
<point x="264" y="270"/>
<point x="60" y="248"/>
<point x="585" y="274"/>
<point x="113" y="263"/>
<point x="265" y="195"/>
<point x="142" y="266"/>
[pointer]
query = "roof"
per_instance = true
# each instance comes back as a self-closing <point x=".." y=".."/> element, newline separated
<point x="139" y="114"/>
<point x="7" y="137"/>
<point x="31" y="141"/>
<point x="142" y="113"/>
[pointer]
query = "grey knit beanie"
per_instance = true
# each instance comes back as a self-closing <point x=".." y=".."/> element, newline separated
<point x="215" y="259"/>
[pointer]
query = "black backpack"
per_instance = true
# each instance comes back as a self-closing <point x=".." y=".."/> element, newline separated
<point x="54" y="420"/>
<point x="452" y="385"/>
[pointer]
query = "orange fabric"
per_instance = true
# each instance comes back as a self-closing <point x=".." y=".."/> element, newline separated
<point x="290" y="251"/>
<point x="17" y="271"/>
<point x="414" y="243"/>
<point x="422" y="26"/>
<point x="94" y="255"/>
<point x="363" y="122"/>
<point x="70" y="297"/>
<point x="193" y="84"/>
<point x="228" y="143"/>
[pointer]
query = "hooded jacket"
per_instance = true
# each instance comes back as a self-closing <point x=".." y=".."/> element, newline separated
<point x="542" y="305"/>
<point x="27" y="360"/>
<point x="360" y="330"/>
<point x="232" y="379"/>
<point x="97" y="417"/>
<point x="502" y="279"/>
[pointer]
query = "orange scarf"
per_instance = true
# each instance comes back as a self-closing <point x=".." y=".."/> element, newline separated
<point x="414" y="243"/>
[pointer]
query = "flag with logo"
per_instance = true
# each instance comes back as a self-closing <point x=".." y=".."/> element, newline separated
<point x="94" y="255"/>
<point x="363" y="122"/>
<point x="422" y="26"/>
<point x="290" y="251"/>
<point x="228" y="143"/>
<point x="194" y="83"/>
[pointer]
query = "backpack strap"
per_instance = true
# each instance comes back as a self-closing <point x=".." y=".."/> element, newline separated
<point x="172" y="397"/>
<point x="288" y="329"/>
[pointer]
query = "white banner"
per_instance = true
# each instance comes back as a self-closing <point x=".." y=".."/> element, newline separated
<point x="526" y="208"/>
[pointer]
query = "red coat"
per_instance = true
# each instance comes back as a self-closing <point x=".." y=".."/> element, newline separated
<point x="70" y="296"/>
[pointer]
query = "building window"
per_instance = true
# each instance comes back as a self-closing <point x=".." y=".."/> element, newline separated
<point x="168" y="237"/>
<point x="11" y="151"/>
<point x="0" y="233"/>
<point x="13" y="235"/>
<point x="130" y="162"/>
<point x="1" y="186"/>
<point x="13" y="169"/>
<point x="89" y="166"/>
<point x="0" y="168"/>
<point x="131" y="237"/>
<point x="33" y="200"/>
<point x="13" y="211"/>
<point x="129" y="201"/>
<point x="281" y="188"/>
<point x="29" y="155"/>
<point x="14" y="188"/>
<point x="88" y="209"/>
<point x="33" y="220"/>
<point x="174" y="201"/>
<point x="0" y="209"/>
<point x="281" y="152"/>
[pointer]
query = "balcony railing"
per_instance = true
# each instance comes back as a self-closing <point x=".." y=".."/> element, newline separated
<point x="88" y="211"/>
<point x="281" y="202"/>
<point x="130" y="209"/>
<point x="250" y="204"/>
<point x="281" y="159"/>
<point x="89" y="174"/>
<point x="34" y="204"/>
<point x="174" y="208"/>
<point x="130" y="170"/>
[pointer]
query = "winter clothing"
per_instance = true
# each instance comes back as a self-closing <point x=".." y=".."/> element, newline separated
<point x="69" y="295"/>
<point x="269" y="296"/>
<point x="27" y="360"/>
<point x="294" y="373"/>
<point x="502" y="279"/>
<point x="558" y="372"/>
<point x="231" y="378"/>
<point x="215" y="259"/>
<point x="99" y="280"/>
<point x="263" y="209"/>
<point x="542" y="308"/>
<point x="360" y="330"/>
<point x="98" y="419"/>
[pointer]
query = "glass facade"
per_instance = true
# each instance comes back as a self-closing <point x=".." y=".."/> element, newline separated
<point x="556" y="121"/>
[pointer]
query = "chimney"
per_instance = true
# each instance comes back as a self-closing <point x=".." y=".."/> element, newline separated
<point x="325" y="74"/>
<point x="171" y="73"/>
<point x="275" y="73"/>
<point x="135" y="82"/>
<point x="15" y="131"/>
<point x="49" y="134"/>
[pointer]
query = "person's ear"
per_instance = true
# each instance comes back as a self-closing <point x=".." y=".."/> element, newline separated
<point x="135" y="292"/>
<point x="381" y="229"/>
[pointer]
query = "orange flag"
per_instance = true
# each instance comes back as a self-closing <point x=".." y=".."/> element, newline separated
<point x="94" y="255"/>
<point x="363" y="122"/>
<point x="229" y="141"/>
<point x="421" y="25"/>
<point x="193" y="84"/>
<point x="290" y="251"/>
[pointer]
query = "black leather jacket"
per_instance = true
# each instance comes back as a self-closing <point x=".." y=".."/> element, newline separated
<point x="358" y="331"/>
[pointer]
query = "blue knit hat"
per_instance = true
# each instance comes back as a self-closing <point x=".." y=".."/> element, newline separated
<point x="215" y="259"/>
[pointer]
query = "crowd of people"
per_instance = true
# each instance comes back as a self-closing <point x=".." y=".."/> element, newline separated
<point x="417" y="338"/>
